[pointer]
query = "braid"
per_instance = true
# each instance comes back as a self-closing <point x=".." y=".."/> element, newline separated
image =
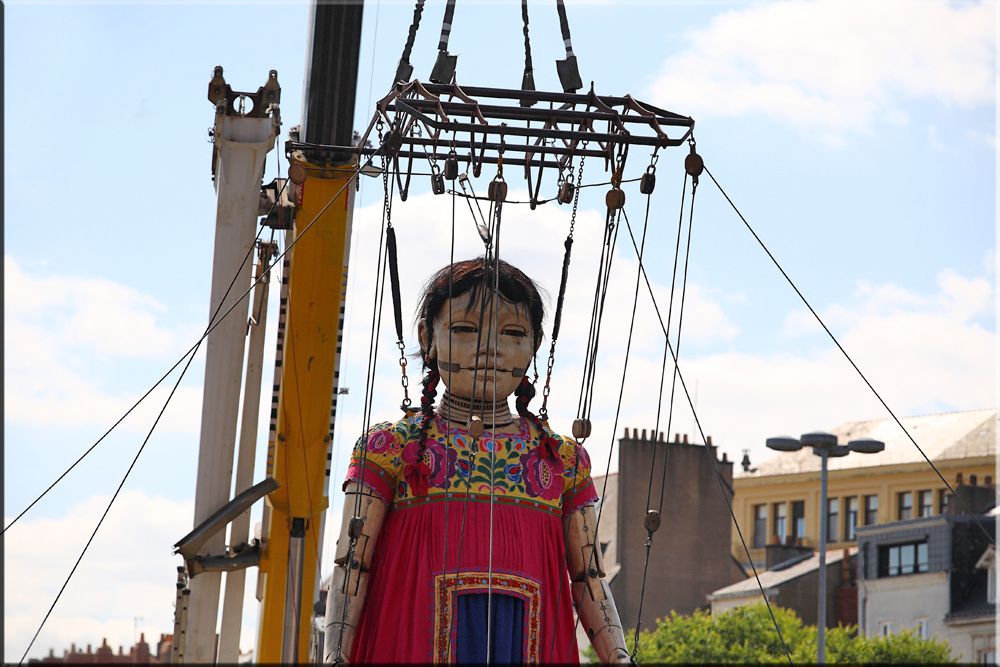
<point x="427" y="394"/>
<point x="525" y="392"/>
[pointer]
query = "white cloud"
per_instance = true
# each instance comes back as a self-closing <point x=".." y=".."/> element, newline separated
<point x="836" y="66"/>
<point x="67" y="335"/>
<point x="924" y="352"/>
<point x="128" y="572"/>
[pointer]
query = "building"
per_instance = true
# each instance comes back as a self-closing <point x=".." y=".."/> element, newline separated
<point x="778" y="501"/>
<point x="104" y="654"/>
<point x="794" y="584"/>
<point x="934" y="575"/>
<point x="689" y="556"/>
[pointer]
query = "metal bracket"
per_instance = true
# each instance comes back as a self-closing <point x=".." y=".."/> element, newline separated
<point x="189" y="545"/>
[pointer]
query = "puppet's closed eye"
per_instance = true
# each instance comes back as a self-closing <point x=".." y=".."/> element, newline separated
<point x="463" y="328"/>
<point x="516" y="332"/>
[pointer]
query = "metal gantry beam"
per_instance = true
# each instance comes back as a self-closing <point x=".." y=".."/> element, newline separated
<point x="246" y="126"/>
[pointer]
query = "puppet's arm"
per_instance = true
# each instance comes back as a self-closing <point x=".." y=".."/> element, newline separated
<point x="591" y="594"/>
<point x="349" y="585"/>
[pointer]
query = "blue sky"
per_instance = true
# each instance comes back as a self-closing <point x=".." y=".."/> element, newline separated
<point x="858" y="139"/>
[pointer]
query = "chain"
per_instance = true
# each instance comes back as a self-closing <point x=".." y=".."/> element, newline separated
<point x="576" y="195"/>
<point x="387" y="208"/>
<point x="404" y="379"/>
<point x="543" y="413"/>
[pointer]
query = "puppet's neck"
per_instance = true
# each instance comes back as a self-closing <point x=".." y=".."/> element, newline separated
<point x="459" y="410"/>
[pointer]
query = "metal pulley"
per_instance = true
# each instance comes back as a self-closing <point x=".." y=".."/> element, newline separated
<point x="581" y="428"/>
<point x="615" y="199"/>
<point x="437" y="183"/>
<point x="476" y="426"/>
<point x="498" y="190"/>
<point x="648" y="181"/>
<point x="566" y="192"/>
<point x="651" y="521"/>
<point x="451" y="166"/>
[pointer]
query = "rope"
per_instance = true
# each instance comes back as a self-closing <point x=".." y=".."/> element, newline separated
<point x="168" y="371"/>
<point x="446" y="21"/>
<point x="373" y="344"/>
<point x="652" y="467"/>
<point x="564" y="27"/>
<point x="107" y="509"/>
<point x="405" y="70"/>
<point x="528" y="78"/>
<point x="494" y="330"/>
<point x="715" y="467"/>
<point x="448" y="438"/>
<point x="840" y="347"/>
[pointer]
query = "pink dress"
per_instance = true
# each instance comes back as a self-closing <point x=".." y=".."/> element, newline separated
<point x="435" y="542"/>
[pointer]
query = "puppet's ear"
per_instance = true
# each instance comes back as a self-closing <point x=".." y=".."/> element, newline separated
<point x="424" y="336"/>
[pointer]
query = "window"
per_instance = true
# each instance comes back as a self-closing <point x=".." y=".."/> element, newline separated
<point x="925" y="503"/>
<point x="832" y="516"/>
<point x="901" y="559"/>
<point x="871" y="510"/>
<point x="759" y="525"/>
<point x="850" y="517"/>
<point x="905" y="506"/>
<point x="884" y="628"/>
<point x="798" y="519"/>
<point x="780" y="521"/>
<point x="943" y="497"/>
<point x="985" y="647"/>
<point x="922" y="631"/>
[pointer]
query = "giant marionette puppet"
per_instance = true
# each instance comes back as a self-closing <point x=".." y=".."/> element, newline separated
<point x="431" y="566"/>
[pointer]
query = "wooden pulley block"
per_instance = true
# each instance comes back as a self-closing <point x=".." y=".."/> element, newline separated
<point x="451" y="167"/>
<point x="652" y="521"/>
<point x="392" y="142"/>
<point x="647" y="183"/>
<point x="566" y="192"/>
<point x="297" y="173"/>
<point x="498" y="191"/>
<point x="581" y="428"/>
<point x="693" y="164"/>
<point x="437" y="184"/>
<point x="476" y="427"/>
<point x="615" y="199"/>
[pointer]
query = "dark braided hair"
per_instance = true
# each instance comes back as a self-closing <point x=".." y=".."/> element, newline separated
<point x="525" y="392"/>
<point x="477" y="278"/>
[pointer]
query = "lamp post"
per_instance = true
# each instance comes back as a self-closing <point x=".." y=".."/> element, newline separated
<point x="824" y="445"/>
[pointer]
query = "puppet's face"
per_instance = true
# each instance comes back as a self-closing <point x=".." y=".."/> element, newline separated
<point x="467" y="356"/>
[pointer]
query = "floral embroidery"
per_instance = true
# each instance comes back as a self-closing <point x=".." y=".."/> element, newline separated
<point x="430" y="467"/>
<point x="540" y="477"/>
<point x="513" y="472"/>
<point x="511" y="468"/>
<point x="381" y="441"/>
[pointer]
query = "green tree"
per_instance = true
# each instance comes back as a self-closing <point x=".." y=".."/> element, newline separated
<point x="747" y="634"/>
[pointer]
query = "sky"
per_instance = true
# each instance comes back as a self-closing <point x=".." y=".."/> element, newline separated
<point x="858" y="139"/>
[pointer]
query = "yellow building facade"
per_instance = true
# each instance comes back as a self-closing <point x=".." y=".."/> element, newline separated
<point x="779" y="501"/>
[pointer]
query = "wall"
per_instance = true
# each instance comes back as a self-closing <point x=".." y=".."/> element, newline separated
<point x="903" y="601"/>
<point x="886" y="481"/>
<point x="968" y="637"/>
<point x="690" y="555"/>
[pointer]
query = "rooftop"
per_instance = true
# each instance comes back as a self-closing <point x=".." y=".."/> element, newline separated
<point x="950" y="435"/>
<point x="778" y="575"/>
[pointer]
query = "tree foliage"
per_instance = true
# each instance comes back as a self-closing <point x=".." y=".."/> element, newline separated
<point x="747" y="634"/>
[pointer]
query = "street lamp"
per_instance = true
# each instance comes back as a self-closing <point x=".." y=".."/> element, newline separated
<point x="824" y="445"/>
